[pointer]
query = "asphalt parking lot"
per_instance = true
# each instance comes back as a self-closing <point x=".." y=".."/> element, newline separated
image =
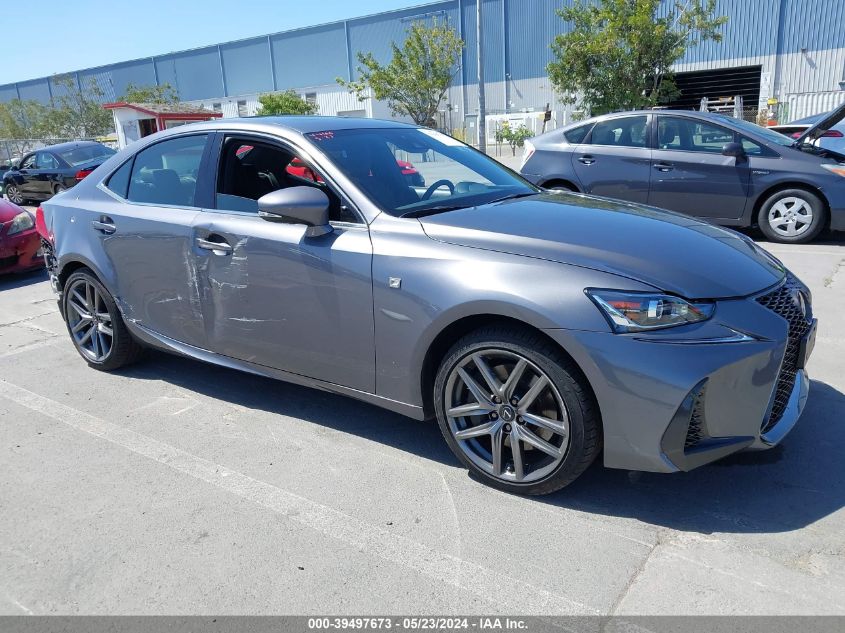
<point x="175" y="487"/>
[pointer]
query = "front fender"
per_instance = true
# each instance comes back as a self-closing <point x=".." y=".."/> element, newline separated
<point x="435" y="285"/>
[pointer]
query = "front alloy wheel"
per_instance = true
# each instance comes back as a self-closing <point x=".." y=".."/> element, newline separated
<point x="506" y="415"/>
<point x="516" y="411"/>
<point x="792" y="216"/>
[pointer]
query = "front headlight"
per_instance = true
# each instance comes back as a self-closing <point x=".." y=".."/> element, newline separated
<point x="638" y="311"/>
<point x="21" y="222"/>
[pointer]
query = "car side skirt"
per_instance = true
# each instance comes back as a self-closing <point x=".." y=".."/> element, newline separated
<point x="154" y="339"/>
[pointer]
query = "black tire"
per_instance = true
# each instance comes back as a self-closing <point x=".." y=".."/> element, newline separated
<point x="124" y="349"/>
<point x="59" y="188"/>
<point x="796" y="202"/>
<point x="584" y="432"/>
<point x="13" y="195"/>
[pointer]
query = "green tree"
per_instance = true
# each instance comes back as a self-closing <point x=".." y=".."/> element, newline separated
<point x="21" y="122"/>
<point x="618" y="54"/>
<point x="415" y="81"/>
<point x="515" y="137"/>
<point x="77" y="112"/>
<point x="287" y="102"/>
<point x="164" y="93"/>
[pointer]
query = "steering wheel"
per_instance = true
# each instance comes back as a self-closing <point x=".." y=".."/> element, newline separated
<point x="436" y="186"/>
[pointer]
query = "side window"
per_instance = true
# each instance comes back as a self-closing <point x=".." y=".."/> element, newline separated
<point x="689" y="135"/>
<point x="119" y="181"/>
<point x="166" y="173"/>
<point x="45" y="160"/>
<point x="577" y="134"/>
<point x="622" y="132"/>
<point x="251" y="169"/>
<point x="28" y="162"/>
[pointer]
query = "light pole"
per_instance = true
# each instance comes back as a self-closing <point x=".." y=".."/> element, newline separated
<point x="479" y="39"/>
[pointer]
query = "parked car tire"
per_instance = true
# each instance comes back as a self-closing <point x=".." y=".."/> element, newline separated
<point x="792" y="216"/>
<point x="59" y="188"/>
<point x="13" y="194"/>
<point x="501" y="383"/>
<point x="95" y="324"/>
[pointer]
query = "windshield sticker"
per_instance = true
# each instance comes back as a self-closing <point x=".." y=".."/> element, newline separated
<point x="443" y="138"/>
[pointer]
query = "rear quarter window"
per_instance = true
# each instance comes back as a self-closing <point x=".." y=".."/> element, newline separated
<point x="118" y="182"/>
<point x="577" y="134"/>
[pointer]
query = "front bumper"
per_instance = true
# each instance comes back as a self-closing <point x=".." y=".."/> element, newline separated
<point x="683" y="397"/>
<point x="20" y="252"/>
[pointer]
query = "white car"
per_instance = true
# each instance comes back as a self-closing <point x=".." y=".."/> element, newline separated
<point x="833" y="139"/>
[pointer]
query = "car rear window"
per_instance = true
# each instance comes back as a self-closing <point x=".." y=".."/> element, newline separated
<point x="86" y="153"/>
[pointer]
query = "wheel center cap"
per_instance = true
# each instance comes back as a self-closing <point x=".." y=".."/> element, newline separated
<point x="507" y="413"/>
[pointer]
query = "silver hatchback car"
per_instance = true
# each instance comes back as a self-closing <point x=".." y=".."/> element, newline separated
<point x="541" y="329"/>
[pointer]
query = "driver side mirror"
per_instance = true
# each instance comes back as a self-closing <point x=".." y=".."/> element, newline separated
<point x="297" y="205"/>
<point x="733" y="149"/>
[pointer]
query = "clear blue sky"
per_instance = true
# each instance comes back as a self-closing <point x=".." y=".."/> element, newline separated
<point x="84" y="33"/>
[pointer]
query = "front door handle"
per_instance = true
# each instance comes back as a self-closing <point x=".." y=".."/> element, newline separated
<point x="104" y="225"/>
<point x="218" y="248"/>
<point x="663" y="166"/>
<point x="587" y="160"/>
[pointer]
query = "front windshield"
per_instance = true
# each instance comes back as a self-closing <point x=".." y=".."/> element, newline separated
<point x="417" y="171"/>
<point x="753" y="128"/>
<point x="85" y="153"/>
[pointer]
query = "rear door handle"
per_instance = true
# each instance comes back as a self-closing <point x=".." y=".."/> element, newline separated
<point x="104" y="225"/>
<point x="218" y="248"/>
<point x="663" y="166"/>
<point x="587" y="160"/>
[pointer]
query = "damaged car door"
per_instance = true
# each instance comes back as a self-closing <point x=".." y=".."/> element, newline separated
<point x="272" y="294"/>
<point x="147" y="237"/>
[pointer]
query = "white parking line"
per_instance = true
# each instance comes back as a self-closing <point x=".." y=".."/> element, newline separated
<point x="502" y="590"/>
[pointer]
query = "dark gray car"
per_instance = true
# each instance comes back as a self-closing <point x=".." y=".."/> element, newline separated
<point x="710" y="166"/>
<point x="541" y="329"/>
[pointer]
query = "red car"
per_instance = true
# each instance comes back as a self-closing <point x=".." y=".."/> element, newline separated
<point x="20" y="244"/>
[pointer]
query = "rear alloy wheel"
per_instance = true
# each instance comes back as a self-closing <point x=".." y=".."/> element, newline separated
<point x="95" y="324"/>
<point x="14" y="194"/>
<point x="516" y="412"/>
<point x="792" y="216"/>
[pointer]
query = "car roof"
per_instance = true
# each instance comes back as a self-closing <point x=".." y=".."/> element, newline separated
<point x="301" y="124"/>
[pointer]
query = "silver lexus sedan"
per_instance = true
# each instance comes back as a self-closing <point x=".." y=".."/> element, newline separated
<point x="541" y="329"/>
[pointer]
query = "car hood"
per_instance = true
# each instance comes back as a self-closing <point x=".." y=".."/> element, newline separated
<point x="668" y="251"/>
<point x="821" y="126"/>
<point x="8" y="211"/>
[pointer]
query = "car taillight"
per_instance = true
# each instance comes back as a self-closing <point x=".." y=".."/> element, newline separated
<point x="832" y="134"/>
<point x="80" y="175"/>
<point x="41" y="225"/>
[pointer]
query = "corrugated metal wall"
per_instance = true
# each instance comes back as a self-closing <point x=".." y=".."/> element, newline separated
<point x="800" y="45"/>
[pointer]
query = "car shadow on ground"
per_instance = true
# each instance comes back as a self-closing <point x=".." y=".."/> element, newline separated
<point x="19" y="280"/>
<point x="783" y="489"/>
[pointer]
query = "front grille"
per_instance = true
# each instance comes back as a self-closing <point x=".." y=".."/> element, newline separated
<point x="783" y="302"/>
<point x="695" y="431"/>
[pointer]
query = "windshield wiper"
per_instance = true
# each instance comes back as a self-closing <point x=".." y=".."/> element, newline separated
<point x="514" y="196"/>
<point x="419" y="213"/>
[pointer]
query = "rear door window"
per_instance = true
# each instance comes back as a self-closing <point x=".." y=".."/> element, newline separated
<point x="630" y="131"/>
<point x="166" y="173"/>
